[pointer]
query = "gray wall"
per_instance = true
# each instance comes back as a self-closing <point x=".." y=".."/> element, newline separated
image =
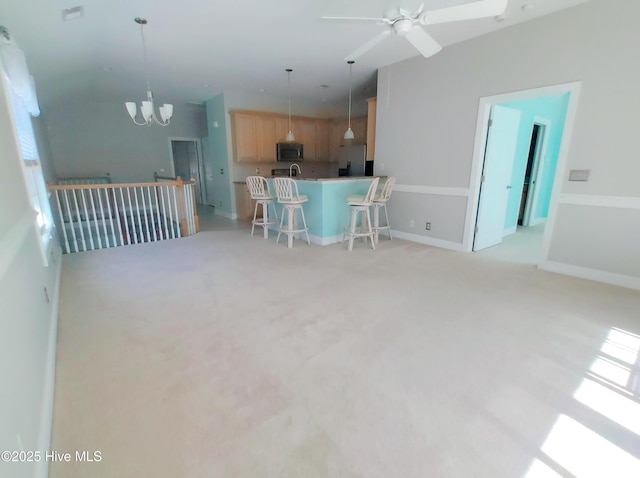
<point x="427" y="110"/>
<point x="93" y="138"/>
<point x="27" y="317"/>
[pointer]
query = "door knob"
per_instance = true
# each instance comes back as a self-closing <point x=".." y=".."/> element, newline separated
<point x="508" y="186"/>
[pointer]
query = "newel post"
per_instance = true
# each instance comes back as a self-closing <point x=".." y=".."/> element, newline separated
<point x="182" y="212"/>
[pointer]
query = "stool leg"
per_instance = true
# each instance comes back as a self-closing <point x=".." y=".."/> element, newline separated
<point x="290" y="220"/>
<point x="255" y="213"/>
<point x="354" y="218"/>
<point x="370" y="231"/>
<point x="376" y="221"/>
<point x="281" y="225"/>
<point x="304" y="222"/>
<point x="265" y="219"/>
<point x="387" y="217"/>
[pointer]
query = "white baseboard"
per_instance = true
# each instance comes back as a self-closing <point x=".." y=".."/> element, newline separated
<point x="325" y="241"/>
<point x="429" y="241"/>
<point x="46" y="414"/>
<point x="591" y="274"/>
<point x="508" y="232"/>
<point x="537" y="220"/>
<point x="228" y="215"/>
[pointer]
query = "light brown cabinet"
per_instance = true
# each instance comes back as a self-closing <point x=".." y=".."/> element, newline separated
<point x="371" y="128"/>
<point x="245" y="134"/>
<point x="244" y="204"/>
<point x="255" y="135"/>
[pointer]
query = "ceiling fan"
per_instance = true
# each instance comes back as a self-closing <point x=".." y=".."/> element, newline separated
<point x="409" y="24"/>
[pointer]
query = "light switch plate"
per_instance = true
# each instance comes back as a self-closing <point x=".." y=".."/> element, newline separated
<point x="579" y="175"/>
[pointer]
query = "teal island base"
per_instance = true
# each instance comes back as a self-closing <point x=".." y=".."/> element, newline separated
<point x="327" y="211"/>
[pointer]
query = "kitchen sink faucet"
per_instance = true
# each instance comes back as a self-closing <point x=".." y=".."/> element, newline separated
<point x="291" y="170"/>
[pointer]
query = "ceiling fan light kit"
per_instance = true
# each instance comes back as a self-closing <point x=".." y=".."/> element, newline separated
<point x="147" y="108"/>
<point x="409" y="24"/>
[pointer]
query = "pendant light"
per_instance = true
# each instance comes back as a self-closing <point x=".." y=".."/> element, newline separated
<point x="147" y="108"/>
<point x="349" y="133"/>
<point x="290" y="136"/>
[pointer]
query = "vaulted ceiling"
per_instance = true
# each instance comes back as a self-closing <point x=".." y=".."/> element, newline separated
<point x="198" y="48"/>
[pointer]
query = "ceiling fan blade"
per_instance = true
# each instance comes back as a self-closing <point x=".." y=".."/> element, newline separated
<point x="467" y="11"/>
<point x="355" y="19"/>
<point x="368" y="46"/>
<point x="423" y="42"/>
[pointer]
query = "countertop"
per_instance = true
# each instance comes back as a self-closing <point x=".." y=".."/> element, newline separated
<point x="342" y="178"/>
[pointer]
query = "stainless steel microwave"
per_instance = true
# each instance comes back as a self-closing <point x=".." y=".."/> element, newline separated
<point x="289" y="152"/>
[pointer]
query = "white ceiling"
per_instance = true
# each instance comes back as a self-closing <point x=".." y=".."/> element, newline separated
<point x="198" y="48"/>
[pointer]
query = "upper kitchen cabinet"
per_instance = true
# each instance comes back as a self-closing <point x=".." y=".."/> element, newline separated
<point x="322" y="140"/>
<point x="267" y="137"/>
<point x="245" y="136"/>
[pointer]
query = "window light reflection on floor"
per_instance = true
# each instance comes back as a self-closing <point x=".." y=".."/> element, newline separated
<point x="611" y="389"/>
<point x="586" y="454"/>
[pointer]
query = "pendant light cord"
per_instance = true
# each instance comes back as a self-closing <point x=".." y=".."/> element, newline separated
<point x="289" y="70"/>
<point x="350" y="70"/>
<point x="144" y="55"/>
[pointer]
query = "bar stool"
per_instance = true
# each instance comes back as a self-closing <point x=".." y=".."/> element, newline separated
<point x="379" y="202"/>
<point x="287" y="194"/>
<point x="361" y="204"/>
<point x="259" y="191"/>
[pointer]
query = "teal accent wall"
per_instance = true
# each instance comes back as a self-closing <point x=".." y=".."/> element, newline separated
<point x="218" y="152"/>
<point x="552" y="109"/>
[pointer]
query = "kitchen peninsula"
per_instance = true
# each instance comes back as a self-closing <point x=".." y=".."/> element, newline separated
<point x="326" y="211"/>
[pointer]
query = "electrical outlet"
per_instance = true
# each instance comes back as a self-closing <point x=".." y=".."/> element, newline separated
<point x="257" y="170"/>
<point x="411" y="222"/>
<point x="428" y="226"/>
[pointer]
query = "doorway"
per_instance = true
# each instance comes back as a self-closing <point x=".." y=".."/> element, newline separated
<point x="541" y="199"/>
<point x="533" y="174"/>
<point x="187" y="162"/>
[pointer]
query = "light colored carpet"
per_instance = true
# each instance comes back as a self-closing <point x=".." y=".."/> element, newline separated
<point x="225" y="355"/>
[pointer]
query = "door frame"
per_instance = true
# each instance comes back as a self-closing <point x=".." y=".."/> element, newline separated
<point x="482" y="122"/>
<point x="203" y="188"/>
<point x="536" y="170"/>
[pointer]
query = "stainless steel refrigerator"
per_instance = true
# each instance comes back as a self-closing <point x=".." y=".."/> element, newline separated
<point x="352" y="161"/>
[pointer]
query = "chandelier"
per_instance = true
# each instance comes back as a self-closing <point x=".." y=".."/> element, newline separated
<point x="147" y="108"/>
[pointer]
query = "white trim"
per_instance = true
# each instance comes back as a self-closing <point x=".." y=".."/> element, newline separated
<point x="620" y="280"/>
<point x="325" y="241"/>
<point x="536" y="221"/>
<point x="46" y="414"/>
<point x="509" y="231"/>
<point x="484" y="108"/>
<point x="228" y="215"/>
<point x="441" y="191"/>
<point x="429" y="241"/>
<point x="623" y="202"/>
<point x="12" y="242"/>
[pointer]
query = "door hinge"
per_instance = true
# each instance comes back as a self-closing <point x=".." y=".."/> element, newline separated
<point x="490" y="122"/>
<point x="475" y="229"/>
<point x="482" y="178"/>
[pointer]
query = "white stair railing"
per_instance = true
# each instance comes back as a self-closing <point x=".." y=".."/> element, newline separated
<point x="97" y="216"/>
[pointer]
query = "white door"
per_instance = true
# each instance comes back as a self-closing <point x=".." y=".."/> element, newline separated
<point x="496" y="176"/>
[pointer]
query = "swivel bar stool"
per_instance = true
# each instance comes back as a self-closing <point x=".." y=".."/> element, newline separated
<point x="259" y="191"/>
<point x="380" y="201"/>
<point x="287" y="194"/>
<point x="361" y="204"/>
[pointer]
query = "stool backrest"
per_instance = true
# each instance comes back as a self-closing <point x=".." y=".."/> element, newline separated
<point x="385" y="195"/>
<point x="286" y="190"/>
<point x="258" y="187"/>
<point x="372" y="191"/>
